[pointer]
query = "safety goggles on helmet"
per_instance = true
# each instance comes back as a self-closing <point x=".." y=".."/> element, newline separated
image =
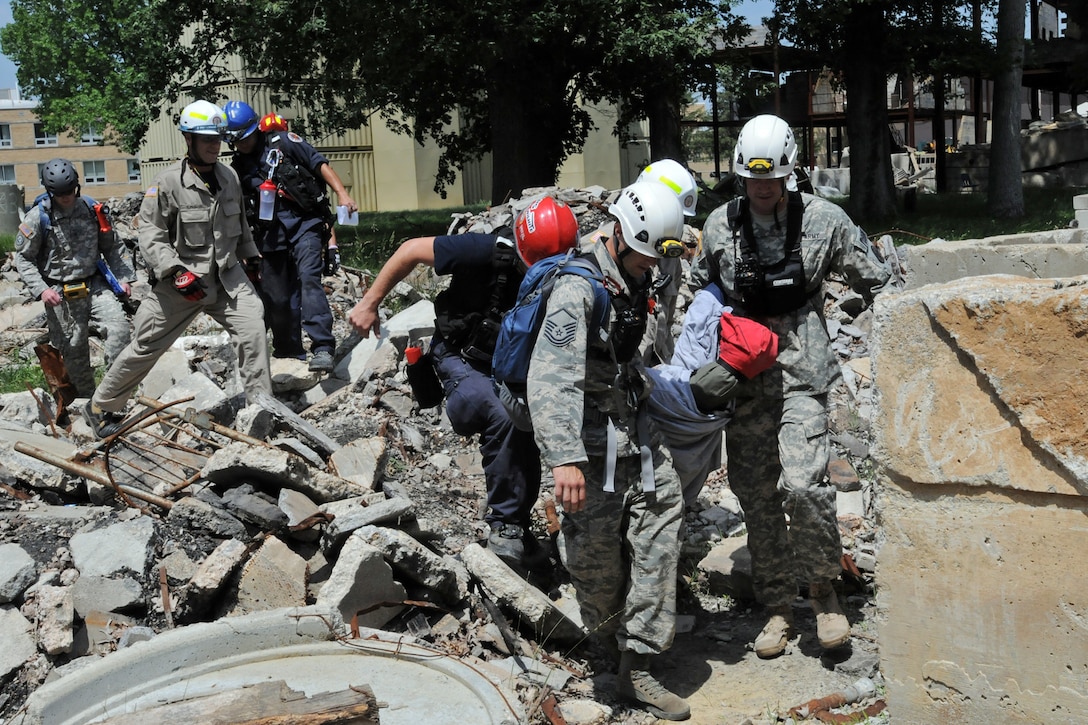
<point x="760" y="167"/>
<point x="669" y="247"/>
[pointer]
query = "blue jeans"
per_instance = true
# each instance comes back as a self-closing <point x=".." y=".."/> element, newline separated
<point x="294" y="299"/>
<point x="511" y="459"/>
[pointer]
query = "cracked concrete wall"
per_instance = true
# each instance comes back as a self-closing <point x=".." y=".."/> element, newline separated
<point x="980" y="416"/>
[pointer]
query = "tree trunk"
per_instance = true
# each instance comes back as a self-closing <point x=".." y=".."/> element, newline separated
<point x="1005" y="196"/>
<point x="664" y="115"/>
<point x="872" y="188"/>
<point x="526" y="132"/>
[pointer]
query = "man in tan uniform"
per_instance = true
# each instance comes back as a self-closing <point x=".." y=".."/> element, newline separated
<point x="194" y="236"/>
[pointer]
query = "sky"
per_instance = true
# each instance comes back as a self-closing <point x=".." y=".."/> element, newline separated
<point x="7" y="68"/>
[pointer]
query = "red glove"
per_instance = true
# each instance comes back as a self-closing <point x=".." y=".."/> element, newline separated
<point x="253" y="269"/>
<point x="189" y="285"/>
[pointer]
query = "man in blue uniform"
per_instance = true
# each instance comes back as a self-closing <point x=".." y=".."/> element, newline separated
<point x="293" y="242"/>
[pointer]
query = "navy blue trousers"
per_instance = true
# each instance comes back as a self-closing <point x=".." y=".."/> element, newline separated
<point x="511" y="459"/>
<point x="294" y="299"/>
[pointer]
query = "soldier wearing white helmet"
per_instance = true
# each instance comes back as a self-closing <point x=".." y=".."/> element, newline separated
<point x="197" y="244"/>
<point x="769" y="253"/>
<point x="621" y="499"/>
<point x="659" y="343"/>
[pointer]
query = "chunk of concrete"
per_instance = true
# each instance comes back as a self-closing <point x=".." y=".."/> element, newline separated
<point x="508" y="589"/>
<point x="55" y="615"/>
<point x="17" y="572"/>
<point x="728" y="568"/>
<point x="238" y="462"/>
<point x="361" y="584"/>
<point x="979" y="438"/>
<point x="274" y="577"/>
<point x="97" y="593"/>
<point x="17" y="634"/>
<point x="414" y="561"/>
<point x="213" y="574"/>
<point x="352" y="514"/>
<point x="202" y="516"/>
<point x="362" y="461"/>
<point x="115" y="549"/>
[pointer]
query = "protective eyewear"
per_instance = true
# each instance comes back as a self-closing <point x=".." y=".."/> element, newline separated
<point x="669" y="247"/>
<point x="760" y="166"/>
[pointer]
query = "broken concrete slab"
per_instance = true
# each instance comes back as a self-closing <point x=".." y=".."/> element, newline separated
<point x="535" y="610"/>
<point x="273" y="577"/>
<point x="728" y="568"/>
<point x="115" y="549"/>
<point x="213" y="574"/>
<point x="415" y="562"/>
<point x="354" y="513"/>
<point x="979" y="423"/>
<point x="238" y="462"/>
<point x="17" y="572"/>
<point x="123" y="594"/>
<point x="362" y="461"/>
<point x="17" y="634"/>
<point x="55" y="614"/>
<point x="361" y="585"/>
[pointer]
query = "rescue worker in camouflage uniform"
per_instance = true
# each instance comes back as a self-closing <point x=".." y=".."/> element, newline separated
<point x="770" y="253"/>
<point x="56" y="252"/>
<point x="194" y="236"/>
<point x="621" y="499"/>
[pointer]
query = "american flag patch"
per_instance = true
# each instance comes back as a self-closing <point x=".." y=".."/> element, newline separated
<point x="25" y="230"/>
<point x="152" y="191"/>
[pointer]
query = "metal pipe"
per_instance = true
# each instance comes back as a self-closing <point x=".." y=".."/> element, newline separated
<point x="91" y="473"/>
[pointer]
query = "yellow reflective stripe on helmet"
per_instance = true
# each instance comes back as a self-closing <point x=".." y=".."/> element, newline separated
<point x="671" y="184"/>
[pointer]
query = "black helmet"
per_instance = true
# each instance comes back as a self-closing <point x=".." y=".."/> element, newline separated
<point x="60" y="177"/>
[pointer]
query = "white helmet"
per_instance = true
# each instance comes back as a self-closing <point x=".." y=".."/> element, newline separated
<point x="203" y="118"/>
<point x="673" y="175"/>
<point x="651" y="218"/>
<point x="765" y="149"/>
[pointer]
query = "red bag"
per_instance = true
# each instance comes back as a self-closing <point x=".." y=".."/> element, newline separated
<point x="745" y="346"/>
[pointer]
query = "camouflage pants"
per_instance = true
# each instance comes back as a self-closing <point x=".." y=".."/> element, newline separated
<point x="778" y="451"/>
<point x="621" y="551"/>
<point x="70" y="324"/>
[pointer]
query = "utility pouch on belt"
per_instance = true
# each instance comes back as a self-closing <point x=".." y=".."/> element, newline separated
<point x="75" y="290"/>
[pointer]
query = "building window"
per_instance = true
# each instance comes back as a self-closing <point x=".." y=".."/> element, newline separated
<point x="91" y="135"/>
<point x="41" y="138"/>
<point x="5" y="135"/>
<point x="94" y="172"/>
<point x="134" y="170"/>
<point x="7" y="173"/>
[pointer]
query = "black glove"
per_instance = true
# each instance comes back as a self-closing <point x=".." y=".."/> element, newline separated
<point x="332" y="261"/>
<point x="189" y="285"/>
<point x="253" y="269"/>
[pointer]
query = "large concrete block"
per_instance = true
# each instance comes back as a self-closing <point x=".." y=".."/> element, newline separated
<point x="980" y="423"/>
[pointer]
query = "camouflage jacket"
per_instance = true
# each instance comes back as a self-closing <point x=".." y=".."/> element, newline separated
<point x="68" y="252"/>
<point x="830" y="244"/>
<point x="575" y="386"/>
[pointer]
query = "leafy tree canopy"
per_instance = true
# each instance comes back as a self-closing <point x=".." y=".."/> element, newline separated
<point x="513" y="71"/>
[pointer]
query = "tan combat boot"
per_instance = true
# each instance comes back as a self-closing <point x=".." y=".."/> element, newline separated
<point x="634" y="682"/>
<point x="771" y="642"/>
<point x="832" y="626"/>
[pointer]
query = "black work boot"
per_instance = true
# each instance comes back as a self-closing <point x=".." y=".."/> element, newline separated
<point x="634" y="682"/>
<point x="507" y="541"/>
<point x="103" y="423"/>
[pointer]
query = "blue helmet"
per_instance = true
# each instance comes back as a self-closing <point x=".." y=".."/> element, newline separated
<point x="242" y="120"/>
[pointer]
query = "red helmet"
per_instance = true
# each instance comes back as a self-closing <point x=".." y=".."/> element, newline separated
<point x="544" y="228"/>
<point x="273" y="122"/>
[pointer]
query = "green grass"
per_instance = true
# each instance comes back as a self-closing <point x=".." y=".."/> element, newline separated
<point x="16" y="377"/>
<point x="964" y="216"/>
<point x="7" y="243"/>
<point x="378" y="234"/>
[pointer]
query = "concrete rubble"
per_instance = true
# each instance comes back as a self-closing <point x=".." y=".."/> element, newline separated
<point x="340" y="494"/>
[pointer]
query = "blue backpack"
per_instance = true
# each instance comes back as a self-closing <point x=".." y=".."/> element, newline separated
<point x="518" y="332"/>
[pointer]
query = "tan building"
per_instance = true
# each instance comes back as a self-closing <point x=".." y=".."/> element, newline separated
<point x="386" y="171"/>
<point x="104" y="170"/>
